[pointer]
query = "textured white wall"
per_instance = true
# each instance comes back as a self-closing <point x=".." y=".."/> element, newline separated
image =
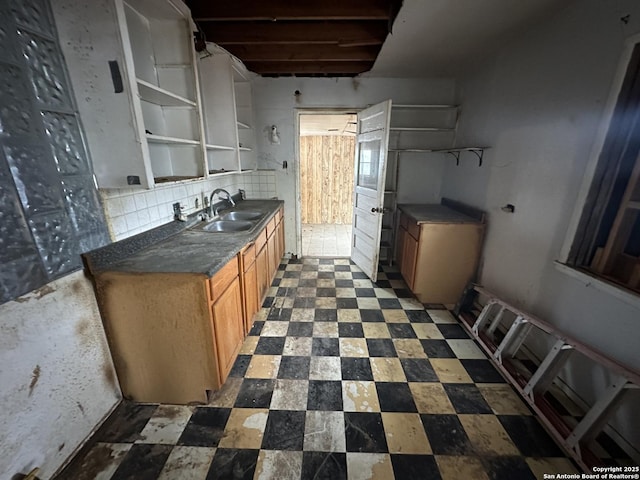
<point x="275" y="104"/>
<point x="56" y="375"/>
<point x="538" y="103"/>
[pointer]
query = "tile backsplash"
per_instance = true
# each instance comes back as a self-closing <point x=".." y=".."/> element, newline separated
<point x="130" y="211"/>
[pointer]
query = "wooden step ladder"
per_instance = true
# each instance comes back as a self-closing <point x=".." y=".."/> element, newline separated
<point x="502" y="330"/>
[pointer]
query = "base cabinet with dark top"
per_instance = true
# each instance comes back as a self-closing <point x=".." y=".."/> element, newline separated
<point x="437" y="250"/>
<point x="175" y="336"/>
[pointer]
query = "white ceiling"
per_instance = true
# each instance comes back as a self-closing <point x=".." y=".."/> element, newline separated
<point x="446" y="37"/>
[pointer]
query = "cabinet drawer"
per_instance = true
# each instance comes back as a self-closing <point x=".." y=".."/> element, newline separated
<point x="223" y="278"/>
<point x="271" y="226"/>
<point x="413" y="229"/>
<point x="261" y="240"/>
<point x="248" y="256"/>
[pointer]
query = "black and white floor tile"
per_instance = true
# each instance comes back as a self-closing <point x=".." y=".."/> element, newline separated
<point x="339" y="378"/>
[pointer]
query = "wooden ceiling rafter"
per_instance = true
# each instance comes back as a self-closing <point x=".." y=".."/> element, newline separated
<point x="278" y="10"/>
<point x="308" y="68"/>
<point x="345" y="33"/>
<point x="311" y="53"/>
<point x="286" y="37"/>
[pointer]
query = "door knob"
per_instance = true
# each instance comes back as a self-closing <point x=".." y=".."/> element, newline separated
<point x="379" y="210"/>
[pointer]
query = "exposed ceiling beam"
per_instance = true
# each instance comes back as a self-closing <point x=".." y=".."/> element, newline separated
<point x="292" y="10"/>
<point x="301" y="38"/>
<point x="296" y="53"/>
<point x="308" y="68"/>
<point x="345" y="33"/>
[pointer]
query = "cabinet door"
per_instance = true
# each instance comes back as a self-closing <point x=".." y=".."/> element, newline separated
<point x="250" y="289"/>
<point x="228" y="327"/>
<point x="280" y="239"/>
<point x="272" y="256"/>
<point x="400" y="247"/>
<point x="409" y="258"/>
<point x="262" y="273"/>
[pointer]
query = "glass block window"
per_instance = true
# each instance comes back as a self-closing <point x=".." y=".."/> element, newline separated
<point x="50" y="209"/>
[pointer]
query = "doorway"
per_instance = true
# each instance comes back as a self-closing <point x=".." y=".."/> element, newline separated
<point x="326" y="151"/>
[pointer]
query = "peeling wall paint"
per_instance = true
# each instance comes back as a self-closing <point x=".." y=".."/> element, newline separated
<point x="538" y="104"/>
<point x="57" y="378"/>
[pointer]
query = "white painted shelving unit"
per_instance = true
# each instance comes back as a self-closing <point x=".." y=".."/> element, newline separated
<point x="146" y="122"/>
<point x="416" y="129"/>
<point x="226" y="94"/>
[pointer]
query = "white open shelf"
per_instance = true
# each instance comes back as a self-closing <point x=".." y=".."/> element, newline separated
<point x="219" y="147"/>
<point x="438" y="150"/>
<point x="426" y="107"/>
<point x="160" y="96"/>
<point x="243" y="125"/>
<point x="420" y="129"/>
<point x="171" y="140"/>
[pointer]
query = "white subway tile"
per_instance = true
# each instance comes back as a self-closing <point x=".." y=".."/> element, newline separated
<point x="128" y="204"/>
<point x="143" y="217"/>
<point x="151" y="197"/>
<point x="154" y="213"/>
<point x="115" y="207"/>
<point x="118" y="225"/>
<point x="140" y="200"/>
<point x="132" y="221"/>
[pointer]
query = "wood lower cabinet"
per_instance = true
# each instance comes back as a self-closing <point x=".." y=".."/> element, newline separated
<point x="280" y="233"/>
<point x="175" y="336"/>
<point x="159" y="326"/>
<point x="228" y="327"/>
<point x="409" y="258"/>
<point x="273" y="258"/>
<point x="437" y="258"/>
<point x="249" y="276"/>
<point x="400" y="246"/>
<point x="262" y="273"/>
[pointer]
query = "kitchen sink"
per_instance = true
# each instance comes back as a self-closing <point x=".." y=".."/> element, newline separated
<point x="241" y="215"/>
<point x="228" y="226"/>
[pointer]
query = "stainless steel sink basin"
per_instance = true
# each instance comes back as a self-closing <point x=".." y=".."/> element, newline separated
<point x="242" y="215"/>
<point x="228" y="226"/>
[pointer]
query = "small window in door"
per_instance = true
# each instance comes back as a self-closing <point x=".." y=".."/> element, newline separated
<point x="368" y="164"/>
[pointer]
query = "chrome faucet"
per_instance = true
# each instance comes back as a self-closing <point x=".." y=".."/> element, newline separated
<point x="218" y="191"/>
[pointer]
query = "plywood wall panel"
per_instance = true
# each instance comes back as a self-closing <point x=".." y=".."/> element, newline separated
<point x="326" y="178"/>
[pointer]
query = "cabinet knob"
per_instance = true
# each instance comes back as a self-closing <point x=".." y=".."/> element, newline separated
<point x="379" y="210"/>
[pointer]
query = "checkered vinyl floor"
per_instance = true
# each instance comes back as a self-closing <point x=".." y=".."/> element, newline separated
<point x="338" y="378"/>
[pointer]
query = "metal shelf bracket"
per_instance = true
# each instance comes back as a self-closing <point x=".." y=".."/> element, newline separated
<point x="456" y="155"/>
<point x="479" y="153"/>
<point x="455" y="152"/>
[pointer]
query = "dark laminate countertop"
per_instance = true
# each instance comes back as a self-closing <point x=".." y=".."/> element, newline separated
<point x="434" y="213"/>
<point x="179" y="247"/>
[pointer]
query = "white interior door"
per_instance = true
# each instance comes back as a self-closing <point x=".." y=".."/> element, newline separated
<point x="372" y="142"/>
